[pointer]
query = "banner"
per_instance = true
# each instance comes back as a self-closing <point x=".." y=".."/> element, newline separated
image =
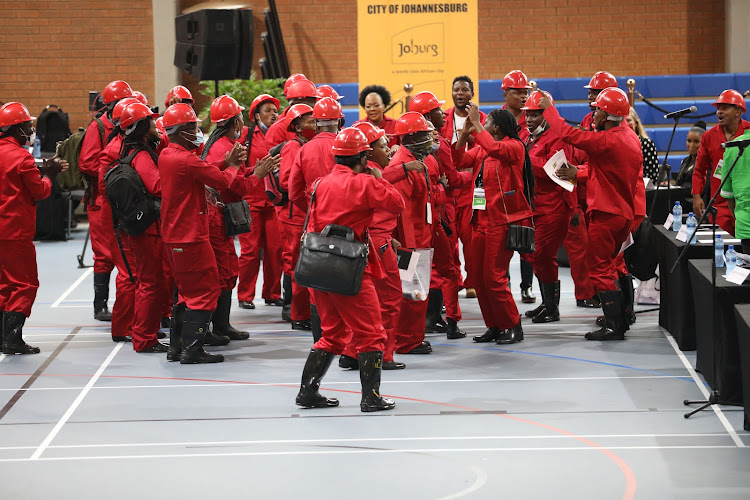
<point x="425" y="45"/>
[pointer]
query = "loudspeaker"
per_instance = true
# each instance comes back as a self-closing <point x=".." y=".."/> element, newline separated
<point x="247" y="35"/>
<point x="207" y="62"/>
<point x="208" y="27"/>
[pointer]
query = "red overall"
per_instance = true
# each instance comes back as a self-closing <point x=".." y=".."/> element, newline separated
<point x="279" y="132"/>
<point x="576" y="241"/>
<point x="389" y="125"/>
<point x="184" y="223"/>
<point x="350" y="199"/>
<point x="20" y="188"/>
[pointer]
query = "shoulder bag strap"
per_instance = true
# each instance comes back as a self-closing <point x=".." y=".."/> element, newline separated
<point x="309" y="209"/>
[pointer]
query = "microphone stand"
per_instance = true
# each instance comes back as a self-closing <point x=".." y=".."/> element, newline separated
<point x="663" y="171"/>
<point x="715" y="396"/>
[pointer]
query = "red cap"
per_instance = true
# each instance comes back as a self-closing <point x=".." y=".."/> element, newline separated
<point x="601" y="80"/>
<point x="424" y="102"/>
<point x="410" y="123"/>
<point x="301" y="89"/>
<point x="135" y="112"/>
<point x="614" y="101"/>
<point x="120" y="107"/>
<point x="292" y="79"/>
<point x="516" y="79"/>
<point x="13" y="113"/>
<point x="731" y="97"/>
<point x="328" y="91"/>
<point x="114" y="91"/>
<point x="532" y="103"/>
<point x="260" y="100"/>
<point x="179" y="114"/>
<point x="327" y="109"/>
<point x="179" y="91"/>
<point x="349" y="142"/>
<point x="372" y="132"/>
<point x="223" y="108"/>
<point x="295" y="112"/>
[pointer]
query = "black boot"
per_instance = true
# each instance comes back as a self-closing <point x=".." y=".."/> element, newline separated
<point x="370" y="367"/>
<point x="551" y="298"/>
<point x="317" y="331"/>
<point x="175" y="332"/>
<point x="286" y="309"/>
<point x="628" y="298"/>
<point x="615" y="324"/>
<point x="453" y="330"/>
<point x="527" y="281"/>
<point x="490" y="335"/>
<point x="434" y="322"/>
<point x="101" y="295"/>
<point x="593" y="302"/>
<point x="315" y="369"/>
<point x="540" y="308"/>
<point x="12" y="332"/>
<point x="348" y="362"/>
<point x="193" y="334"/>
<point x="221" y="318"/>
<point x="511" y="335"/>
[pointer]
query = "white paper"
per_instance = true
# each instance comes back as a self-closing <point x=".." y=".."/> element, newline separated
<point x="557" y="161"/>
<point x="682" y="234"/>
<point x="738" y="275"/>
<point x="627" y="243"/>
<point x="668" y="223"/>
<point x="648" y="183"/>
<point x="728" y="241"/>
<point x="429" y="213"/>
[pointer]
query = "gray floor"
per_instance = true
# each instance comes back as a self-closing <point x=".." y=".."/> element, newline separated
<point x="552" y="417"/>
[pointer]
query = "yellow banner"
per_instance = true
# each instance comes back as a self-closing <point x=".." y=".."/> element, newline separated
<point x="425" y="45"/>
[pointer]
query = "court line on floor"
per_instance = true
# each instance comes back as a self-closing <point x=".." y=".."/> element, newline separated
<point x="38" y="373"/>
<point x="75" y="404"/>
<point x="72" y="287"/>
<point x="702" y="387"/>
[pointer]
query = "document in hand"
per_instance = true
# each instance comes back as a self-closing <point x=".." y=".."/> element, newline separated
<point x="558" y="160"/>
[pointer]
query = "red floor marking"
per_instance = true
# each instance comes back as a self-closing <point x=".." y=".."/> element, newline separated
<point x="630" y="480"/>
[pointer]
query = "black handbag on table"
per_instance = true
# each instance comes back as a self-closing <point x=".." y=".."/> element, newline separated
<point x="332" y="260"/>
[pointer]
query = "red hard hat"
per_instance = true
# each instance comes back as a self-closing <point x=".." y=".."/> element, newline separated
<point x="601" y="80"/>
<point x="532" y="103"/>
<point x="516" y="79"/>
<point x="13" y="113"/>
<point x="120" y="107"/>
<point x="328" y="91"/>
<point x="134" y="112"/>
<point x="372" y="132"/>
<point x="327" y="109"/>
<point x="295" y="112"/>
<point x="613" y="101"/>
<point x="141" y="97"/>
<point x="731" y="97"/>
<point x="292" y="79"/>
<point x="410" y="123"/>
<point x="424" y="102"/>
<point x="223" y="108"/>
<point x="260" y="100"/>
<point x="160" y="125"/>
<point x="349" y="142"/>
<point x="179" y="91"/>
<point x="114" y="91"/>
<point x="301" y="89"/>
<point x="178" y="114"/>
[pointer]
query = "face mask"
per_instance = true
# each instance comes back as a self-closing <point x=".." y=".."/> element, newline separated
<point x="237" y="134"/>
<point x="153" y="141"/>
<point x="198" y="138"/>
<point x="435" y="146"/>
<point x="29" y="140"/>
<point x="308" y="133"/>
<point x="538" y="131"/>
<point x="262" y="125"/>
<point x="420" y="150"/>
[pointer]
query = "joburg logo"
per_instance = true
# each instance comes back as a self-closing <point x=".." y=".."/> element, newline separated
<point x="421" y="44"/>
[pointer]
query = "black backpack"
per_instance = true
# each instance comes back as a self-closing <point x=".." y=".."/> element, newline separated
<point x="52" y="126"/>
<point x="133" y="208"/>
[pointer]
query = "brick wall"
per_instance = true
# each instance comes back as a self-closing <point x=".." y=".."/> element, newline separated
<point x="56" y="51"/>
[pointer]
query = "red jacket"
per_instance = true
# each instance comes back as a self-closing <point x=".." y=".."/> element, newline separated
<point x="449" y="129"/>
<point x="524" y="133"/>
<point x="149" y="174"/>
<point x="184" y="209"/>
<point x="241" y="184"/>
<point x="109" y="154"/>
<point x="384" y="221"/>
<point x="256" y="190"/>
<point x="314" y="160"/>
<point x="615" y="163"/>
<point x="550" y="198"/>
<point x="709" y="154"/>
<point x="278" y="133"/>
<point x="21" y="186"/>
<point x="289" y="213"/>
<point x="92" y="145"/>
<point x="389" y="125"/>
<point x="588" y="122"/>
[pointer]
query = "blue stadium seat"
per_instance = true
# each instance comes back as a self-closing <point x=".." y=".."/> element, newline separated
<point x="351" y="115"/>
<point x="711" y="85"/>
<point x="489" y="91"/>
<point x="661" y="86"/>
<point x="350" y="91"/>
<point x="660" y="136"/>
<point x="573" y="111"/>
<point x="569" y="89"/>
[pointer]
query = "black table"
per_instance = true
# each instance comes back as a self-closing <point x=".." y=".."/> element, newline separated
<point x="728" y="378"/>
<point x="742" y="318"/>
<point x="665" y="202"/>
<point x="675" y="292"/>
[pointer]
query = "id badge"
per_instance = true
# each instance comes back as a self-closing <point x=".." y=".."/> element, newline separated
<point x="717" y="172"/>
<point x="479" y="202"/>
<point x="429" y="213"/>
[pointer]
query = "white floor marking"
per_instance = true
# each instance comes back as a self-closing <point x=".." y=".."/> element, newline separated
<point x="75" y="404"/>
<point x="72" y="287"/>
<point x="479" y="482"/>
<point x="706" y="394"/>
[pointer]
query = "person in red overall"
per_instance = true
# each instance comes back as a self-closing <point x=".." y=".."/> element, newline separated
<point x="314" y="160"/>
<point x="445" y="234"/>
<point x="349" y="196"/>
<point x="600" y="81"/>
<point x="414" y="226"/>
<point x="21" y="187"/>
<point x="553" y="207"/>
<point x="615" y="162"/>
<point x="226" y="113"/>
<point x="500" y="168"/>
<point x="301" y="91"/>
<point x="88" y="162"/>
<point x="455" y="117"/>
<point x="124" y="309"/>
<point x="264" y="226"/>
<point x="291" y="218"/>
<point x="184" y="224"/>
<point x="515" y="87"/>
<point x="729" y="109"/>
<point x="374" y="100"/>
<point x="139" y="144"/>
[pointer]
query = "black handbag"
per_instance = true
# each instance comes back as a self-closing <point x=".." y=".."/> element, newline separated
<point x="237" y="218"/>
<point x="520" y="238"/>
<point x="332" y="260"/>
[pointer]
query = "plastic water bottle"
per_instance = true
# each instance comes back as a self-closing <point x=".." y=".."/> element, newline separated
<point x="691" y="226"/>
<point x="731" y="259"/>
<point x="676" y="216"/>
<point x="719" y="251"/>
<point x="37" y="153"/>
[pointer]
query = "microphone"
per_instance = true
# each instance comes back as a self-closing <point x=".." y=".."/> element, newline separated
<point x="682" y="112"/>
<point x="737" y="143"/>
